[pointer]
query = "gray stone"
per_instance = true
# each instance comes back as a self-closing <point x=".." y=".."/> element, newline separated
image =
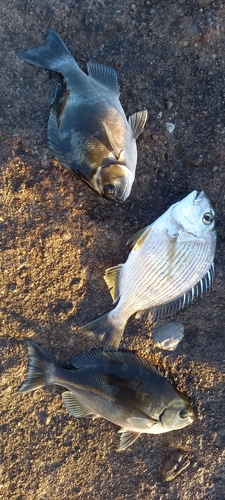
<point x="168" y="335"/>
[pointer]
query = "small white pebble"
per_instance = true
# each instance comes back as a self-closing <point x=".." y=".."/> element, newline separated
<point x="170" y="127"/>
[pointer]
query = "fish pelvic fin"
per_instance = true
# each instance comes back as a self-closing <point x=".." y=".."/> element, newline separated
<point x="137" y="122"/>
<point x="127" y="438"/>
<point x="51" y="55"/>
<point x="111" y="277"/>
<point x="40" y="368"/>
<point x="104" y="329"/>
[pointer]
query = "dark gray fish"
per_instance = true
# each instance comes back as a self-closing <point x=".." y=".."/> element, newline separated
<point x="118" y="386"/>
<point x="87" y="130"/>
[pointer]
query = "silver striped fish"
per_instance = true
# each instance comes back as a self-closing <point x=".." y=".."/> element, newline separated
<point x="171" y="264"/>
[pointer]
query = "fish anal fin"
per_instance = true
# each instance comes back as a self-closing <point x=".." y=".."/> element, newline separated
<point x="54" y="141"/>
<point x="105" y="75"/>
<point x="111" y="277"/>
<point x="58" y="105"/>
<point x="137" y="122"/>
<point x="127" y="438"/>
<point x="74" y="407"/>
<point x="138" y="238"/>
<point x="116" y="147"/>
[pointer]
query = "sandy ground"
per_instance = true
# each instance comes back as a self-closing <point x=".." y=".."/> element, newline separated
<point x="57" y="238"/>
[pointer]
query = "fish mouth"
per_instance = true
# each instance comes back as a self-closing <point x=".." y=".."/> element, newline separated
<point x="199" y="197"/>
<point x="189" y="419"/>
<point x="109" y="196"/>
<point x="122" y="189"/>
<point x="112" y="197"/>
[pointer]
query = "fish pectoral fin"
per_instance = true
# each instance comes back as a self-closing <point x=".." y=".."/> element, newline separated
<point x="74" y="407"/>
<point x="127" y="438"/>
<point x="138" y="238"/>
<point x="105" y="75"/>
<point x="116" y="147"/>
<point x="137" y="122"/>
<point x="142" y="422"/>
<point x="111" y="277"/>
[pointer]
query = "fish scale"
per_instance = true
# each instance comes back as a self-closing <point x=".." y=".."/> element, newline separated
<point x="170" y="261"/>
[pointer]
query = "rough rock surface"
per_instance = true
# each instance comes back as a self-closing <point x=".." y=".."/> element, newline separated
<point x="57" y="238"/>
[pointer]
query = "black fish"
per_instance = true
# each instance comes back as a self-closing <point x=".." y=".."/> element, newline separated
<point x="87" y="130"/>
<point x="121" y="387"/>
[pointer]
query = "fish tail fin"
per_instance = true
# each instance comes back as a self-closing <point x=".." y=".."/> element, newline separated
<point x="40" y="369"/>
<point x="50" y="56"/>
<point x="106" y="331"/>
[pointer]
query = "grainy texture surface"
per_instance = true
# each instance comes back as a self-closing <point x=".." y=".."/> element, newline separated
<point x="57" y="238"/>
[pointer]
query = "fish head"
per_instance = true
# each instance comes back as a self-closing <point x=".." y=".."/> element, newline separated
<point x="177" y="414"/>
<point x="194" y="214"/>
<point x="115" y="181"/>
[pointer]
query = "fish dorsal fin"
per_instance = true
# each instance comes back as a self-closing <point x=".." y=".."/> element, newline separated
<point x="74" y="407"/>
<point x="105" y="75"/>
<point x="171" y="308"/>
<point x="127" y="438"/>
<point x="98" y="356"/>
<point x="89" y="358"/>
<point x="111" y="277"/>
<point x="138" y="238"/>
<point x="137" y="122"/>
<point x="130" y="358"/>
<point x="116" y="147"/>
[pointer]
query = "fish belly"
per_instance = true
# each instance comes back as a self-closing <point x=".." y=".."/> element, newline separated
<point x="152" y="277"/>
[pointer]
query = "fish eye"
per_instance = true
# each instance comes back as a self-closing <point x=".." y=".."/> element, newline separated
<point x="183" y="413"/>
<point x="207" y="218"/>
<point x="109" y="190"/>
